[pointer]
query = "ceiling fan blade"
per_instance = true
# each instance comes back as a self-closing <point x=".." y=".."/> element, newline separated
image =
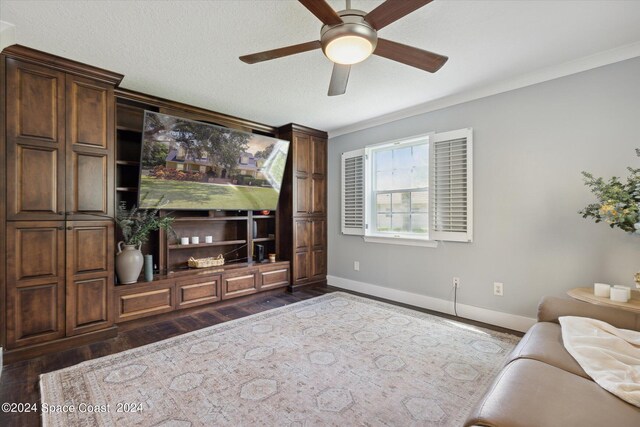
<point x="392" y="10"/>
<point x="279" y="53"/>
<point x="339" y="79"/>
<point x="323" y="11"/>
<point x="422" y="59"/>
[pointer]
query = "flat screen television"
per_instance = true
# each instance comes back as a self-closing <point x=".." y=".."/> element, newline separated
<point x="200" y="166"/>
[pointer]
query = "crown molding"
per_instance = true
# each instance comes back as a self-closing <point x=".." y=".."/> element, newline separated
<point x="600" y="59"/>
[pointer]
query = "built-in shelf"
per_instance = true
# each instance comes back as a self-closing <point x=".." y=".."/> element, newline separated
<point x="127" y="163"/>
<point x="264" y="239"/>
<point x="264" y="216"/>
<point x="127" y="189"/>
<point x="212" y="218"/>
<point x="204" y="245"/>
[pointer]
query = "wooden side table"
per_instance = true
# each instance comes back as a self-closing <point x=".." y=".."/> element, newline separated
<point x="586" y="295"/>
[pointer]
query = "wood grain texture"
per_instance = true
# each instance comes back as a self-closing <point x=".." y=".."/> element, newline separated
<point x="303" y="203"/>
<point x="408" y="55"/>
<point x="59" y="63"/>
<point x="90" y="135"/>
<point x="35" y="132"/>
<point x="89" y="276"/>
<point x="586" y="295"/>
<point x="392" y="10"/>
<point x="323" y="11"/>
<point x="35" y="292"/>
<point x="280" y="52"/>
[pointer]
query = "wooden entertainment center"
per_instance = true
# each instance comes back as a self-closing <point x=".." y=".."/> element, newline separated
<point x="70" y="145"/>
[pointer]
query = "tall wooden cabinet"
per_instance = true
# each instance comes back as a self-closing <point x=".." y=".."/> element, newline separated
<point x="302" y="209"/>
<point x="59" y="157"/>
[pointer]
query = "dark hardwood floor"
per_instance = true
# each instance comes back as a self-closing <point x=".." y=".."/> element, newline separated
<point x="19" y="382"/>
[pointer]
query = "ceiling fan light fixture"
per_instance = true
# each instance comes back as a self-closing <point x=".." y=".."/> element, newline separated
<point x="351" y="41"/>
<point x="348" y="50"/>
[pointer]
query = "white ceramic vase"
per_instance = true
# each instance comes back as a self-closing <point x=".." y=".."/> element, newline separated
<point x="129" y="262"/>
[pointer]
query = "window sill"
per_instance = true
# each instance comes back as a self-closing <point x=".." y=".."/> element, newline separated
<point x="401" y="241"/>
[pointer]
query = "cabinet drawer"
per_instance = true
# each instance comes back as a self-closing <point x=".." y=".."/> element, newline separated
<point x="274" y="278"/>
<point x="143" y="303"/>
<point x="202" y="290"/>
<point x="238" y="284"/>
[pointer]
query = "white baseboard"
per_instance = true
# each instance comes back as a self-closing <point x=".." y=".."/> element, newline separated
<point x="497" y="318"/>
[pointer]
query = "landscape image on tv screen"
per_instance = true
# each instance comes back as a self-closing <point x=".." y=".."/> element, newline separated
<point x="194" y="165"/>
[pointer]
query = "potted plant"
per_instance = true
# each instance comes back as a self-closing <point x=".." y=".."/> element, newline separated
<point x="136" y="224"/>
<point x="618" y="202"/>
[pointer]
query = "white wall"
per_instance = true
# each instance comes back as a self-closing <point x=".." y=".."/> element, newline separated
<point x="530" y="146"/>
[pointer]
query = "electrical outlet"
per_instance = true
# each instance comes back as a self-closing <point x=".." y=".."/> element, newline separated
<point x="498" y="289"/>
<point x="356" y="265"/>
<point x="456" y="282"/>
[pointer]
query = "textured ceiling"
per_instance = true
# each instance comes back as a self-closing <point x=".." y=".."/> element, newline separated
<point x="188" y="50"/>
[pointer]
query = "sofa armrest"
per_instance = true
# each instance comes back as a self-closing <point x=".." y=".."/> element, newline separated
<point x="551" y="308"/>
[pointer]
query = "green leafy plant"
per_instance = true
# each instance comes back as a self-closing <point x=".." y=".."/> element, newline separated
<point x="618" y="202"/>
<point x="136" y="224"/>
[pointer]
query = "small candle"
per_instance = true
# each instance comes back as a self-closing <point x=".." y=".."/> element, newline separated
<point x="184" y="240"/>
<point x="208" y="239"/>
<point x="601" y="290"/>
<point x="627" y="289"/>
<point x="619" y="295"/>
<point x="195" y="240"/>
<point x="272" y="257"/>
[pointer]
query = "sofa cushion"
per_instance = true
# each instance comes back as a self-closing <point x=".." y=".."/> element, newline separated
<point x="529" y="393"/>
<point x="543" y="342"/>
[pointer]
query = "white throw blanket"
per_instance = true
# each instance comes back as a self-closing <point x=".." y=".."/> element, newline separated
<point x="610" y="356"/>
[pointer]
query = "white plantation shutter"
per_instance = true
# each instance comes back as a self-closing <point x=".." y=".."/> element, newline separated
<point x="450" y="185"/>
<point x="353" y="185"/>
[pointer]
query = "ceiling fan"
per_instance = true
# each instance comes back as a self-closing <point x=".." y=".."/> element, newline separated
<point x="351" y="36"/>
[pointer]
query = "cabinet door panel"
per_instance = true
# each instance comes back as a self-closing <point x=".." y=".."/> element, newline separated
<point x="238" y="284"/>
<point x="90" y="301"/>
<point x="143" y="303"/>
<point x="319" y="195"/>
<point x="89" y="113"/>
<point x="89" y="278"/>
<point x="301" y="174"/>
<point x="302" y="154"/>
<point x="318" y="264"/>
<point x="36" y="251"/>
<point x="302" y="192"/>
<point x="199" y="291"/>
<point x="90" y="176"/>
<point x="35" y="282"/>
<point x="319" y="158"/>
<point x="318" y="189"/>
<point x="37" y="311"/>
<point x="301" y="235"/>
<point x="301" y="266"/>
<point x="35" y="142"/>
<point x="318" y="233"/>
<point x="273" y="277"/>
<point x="35" y="103"/>
<point x="90" y="146"/>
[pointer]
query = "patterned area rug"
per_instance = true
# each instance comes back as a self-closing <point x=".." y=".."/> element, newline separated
<point x="337" y="359"/>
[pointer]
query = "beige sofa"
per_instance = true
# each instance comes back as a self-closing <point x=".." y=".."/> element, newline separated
<point x="542" y="385"/>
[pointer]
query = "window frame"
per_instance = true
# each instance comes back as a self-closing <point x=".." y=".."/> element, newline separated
<point x="445" y="184"/>
<point x="371" y="234"/>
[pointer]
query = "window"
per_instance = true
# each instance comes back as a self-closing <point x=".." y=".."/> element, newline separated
<point x="411" y="191"/>
<point x="399" y="189"/>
